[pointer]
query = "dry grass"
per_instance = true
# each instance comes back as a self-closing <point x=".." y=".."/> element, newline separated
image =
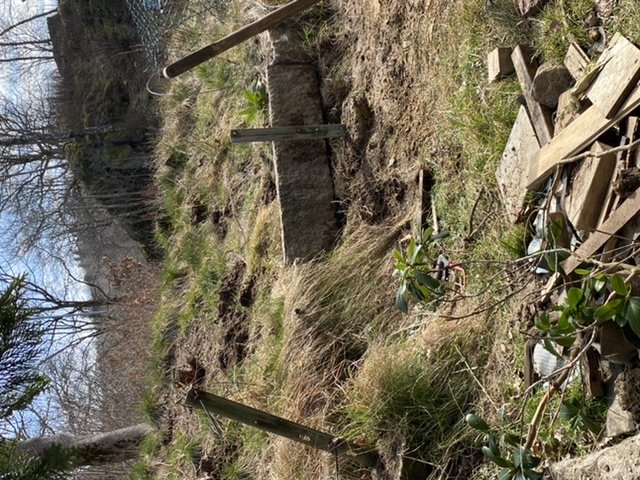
<point x="325" y="345"/>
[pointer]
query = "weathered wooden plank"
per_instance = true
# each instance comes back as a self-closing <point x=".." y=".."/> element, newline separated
<point x="631" y="158"/>
<point x="513" y="171"/>
<point x="303" y="132"/>
<point x="576" y="136"/>
<point x="618" y="219"/>
<point x="576" y="60"/>
<point x="589" y="188"/>
<point x="611" y="200"/>
<point x="279" y="426"/>
<point x="303" y="178"/>
<point x="540" y="115"/>
<point x="619" y="75"/>
<point x="499" y="64"/>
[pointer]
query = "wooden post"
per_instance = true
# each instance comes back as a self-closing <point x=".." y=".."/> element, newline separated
<point x="303" y="132"/>
<point x="239" y="36"/>
<point x="280" y="426"/>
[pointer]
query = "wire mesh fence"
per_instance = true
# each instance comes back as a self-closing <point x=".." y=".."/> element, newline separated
<point x="156" y="19"/>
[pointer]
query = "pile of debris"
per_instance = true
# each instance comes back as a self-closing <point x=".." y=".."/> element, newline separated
<point x="573" y="156"/>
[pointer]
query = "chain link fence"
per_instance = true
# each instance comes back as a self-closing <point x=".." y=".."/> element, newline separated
<point x="155" y="20"/>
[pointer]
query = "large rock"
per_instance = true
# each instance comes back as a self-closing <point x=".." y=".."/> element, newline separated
<point x="550" y="82"/>
<point x="530" y="7"/>
<point x="620" y="462"/>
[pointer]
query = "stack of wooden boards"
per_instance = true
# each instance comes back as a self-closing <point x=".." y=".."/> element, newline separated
<point x="595" y="134"/>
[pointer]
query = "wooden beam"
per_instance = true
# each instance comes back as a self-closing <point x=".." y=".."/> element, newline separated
<point x="576" y="60"/>
<point x="265" y="23"/>
<point x="540" y="115"/>
<point x="302" y="132"/>
<point x="619" y="74"/>
<point x="513" y="172"/>
<point x="618" y="219"/>
<point x="589" y="186"/>
<point x="279" y="426"/>
<point x="499" y="64"/>
<point x="576" y="137"/>
<point x="631" y="158"/>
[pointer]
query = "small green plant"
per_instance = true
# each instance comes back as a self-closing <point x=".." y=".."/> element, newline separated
<point x="519" y="464"/>
<point x="416" y="272"/>
<point x="256" y="98"/>
<point x="582" y="310"/>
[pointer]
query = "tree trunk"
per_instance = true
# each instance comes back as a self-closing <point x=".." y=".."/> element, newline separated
<point x="613" y="463"/>
<point x="98" y="449"/>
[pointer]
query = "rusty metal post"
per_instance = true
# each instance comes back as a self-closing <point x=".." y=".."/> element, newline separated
<point x="280" y="426"/>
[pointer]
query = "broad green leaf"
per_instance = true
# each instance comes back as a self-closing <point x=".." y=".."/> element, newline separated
<point x="516" y="456"/>
<point x="591" y="425"/>
<point x="574" y="297"/>
<point x="618" y="285"/>
<point x="569" y="410"/>
<point x="583" y="272"/>
<point x="542" y="322"/>
<point x="532" y="475"/>
<point x="565" y="341"/>
<point x="609" y="310"/>
<point x="632" y="314"/>
<point x="426" y="234"/>
<point x="498" y="460"/>
<point x="553" y="263"/>
<point x="401" y="302"/>
<point x="563" y="320"/>
<point x="476" y="422"/>
<point x="414" y="289"/>
<point x="548" y="346"/>
<point x="411" y="252"/>
<point x="506" y="474"/>
<point x="511" y="439"/>
<point x="398" y="254"/>
<point x="556" y="229"/>
<point x="599" y="284"/>
<point x="523" y="458"/>
<point x="401" y="268"/>
<point x="427" y="280"/>
<point x="493" y="444"/>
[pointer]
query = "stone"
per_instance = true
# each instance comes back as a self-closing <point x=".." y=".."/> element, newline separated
<point x="550" y="82"/>
<point x="622" y="461"/>
<point x="619" y="421"/>
<point x="303" y="179"/>
<point x="569" y="108"/>
<point x="527" y="8"/>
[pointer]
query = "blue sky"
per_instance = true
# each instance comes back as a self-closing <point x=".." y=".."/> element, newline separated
<point x="15" y="85"/>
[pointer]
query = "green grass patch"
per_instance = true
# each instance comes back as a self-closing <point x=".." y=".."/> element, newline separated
<point x="403" y="392"/>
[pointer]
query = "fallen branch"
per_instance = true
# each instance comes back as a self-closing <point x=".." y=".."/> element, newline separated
<point x="623" y="148"/>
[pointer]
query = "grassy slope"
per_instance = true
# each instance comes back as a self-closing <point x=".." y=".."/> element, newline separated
<point x="321" y="343"/>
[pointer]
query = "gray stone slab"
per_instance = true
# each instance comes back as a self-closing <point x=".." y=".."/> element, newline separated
<point x="303" y="177"/>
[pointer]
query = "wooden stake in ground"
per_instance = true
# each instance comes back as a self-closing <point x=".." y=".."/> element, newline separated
<point x="265" y="23"/>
